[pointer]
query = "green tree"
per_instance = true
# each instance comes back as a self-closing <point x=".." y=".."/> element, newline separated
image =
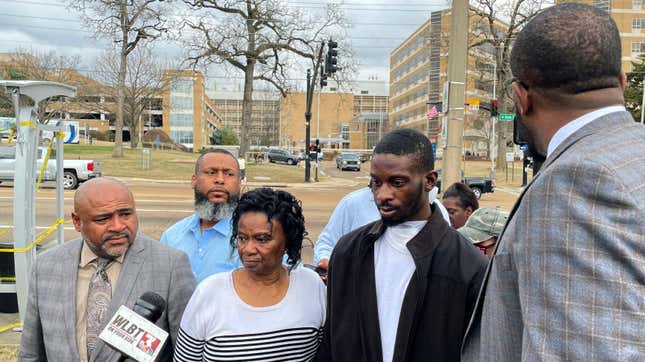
<point x="634" y="90"/>
<point x="224" y="136"/>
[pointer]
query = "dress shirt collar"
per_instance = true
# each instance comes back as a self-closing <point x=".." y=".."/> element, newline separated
<point x="570" y="128"/>
<point x="88" y="256"/>
<point x="223" y="226"/>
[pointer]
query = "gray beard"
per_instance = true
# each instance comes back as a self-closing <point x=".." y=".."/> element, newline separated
<point x="206" y="210"/>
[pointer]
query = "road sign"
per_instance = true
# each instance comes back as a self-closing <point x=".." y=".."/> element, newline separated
<point x="506" y="116"/>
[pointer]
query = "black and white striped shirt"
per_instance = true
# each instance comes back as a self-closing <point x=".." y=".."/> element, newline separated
<point x="218" y="326"/>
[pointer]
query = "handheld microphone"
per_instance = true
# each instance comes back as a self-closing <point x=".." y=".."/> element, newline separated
<point x="133" y="331"/>
<point x="150" y="306"/>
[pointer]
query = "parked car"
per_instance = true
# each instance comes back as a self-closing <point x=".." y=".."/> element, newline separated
<point x="347" y="160"/>
<point x="479" y="185"/>
<point x="279" y="155"/>
<point x="74" y="171"/>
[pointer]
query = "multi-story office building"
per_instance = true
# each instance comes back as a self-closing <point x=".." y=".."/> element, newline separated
<point x="264" y="125"/>
<point x="418" y="71"/>
<point x="355" y="118"/>
<point x="189" y="113"/>
<point x="629" y="16"/>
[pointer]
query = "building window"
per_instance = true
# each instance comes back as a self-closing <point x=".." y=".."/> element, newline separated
<point x="181" y="120"/>
<point x="638" y="24"/>
<point x="181" y="136"/>
<point x="636" y="4"/>
<point x="602" y="4"/>
<point x="181" y="86"/>
<point x="638" y="48"/>
<point x="181" y="103"/>
<point x="344" y="131"/>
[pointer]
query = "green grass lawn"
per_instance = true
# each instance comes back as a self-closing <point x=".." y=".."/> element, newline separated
<point x="173" y="165"/>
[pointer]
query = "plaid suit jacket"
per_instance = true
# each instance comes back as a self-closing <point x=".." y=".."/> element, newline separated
<point x="49" y="331"/>
<point x="567" y="281"/>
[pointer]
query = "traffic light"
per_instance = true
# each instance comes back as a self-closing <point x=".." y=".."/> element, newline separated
<point x="323" y="77"/>
<point x="331" y="60"/>
<point x="317" y="145"/>
<point x="493" y="108"/>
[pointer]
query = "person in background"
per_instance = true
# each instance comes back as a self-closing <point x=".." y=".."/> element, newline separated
<point x="354" y="210"/>
<point x="461" y="202"/>
<point x="401" y="288"/>
<point x="567" y="279"/>
<point x="204" y="235"/>
<point x="484" y="227"/>
<point x="265" y="311"/>
<point x="76" y="288"/>
<point x="242" y="162"/>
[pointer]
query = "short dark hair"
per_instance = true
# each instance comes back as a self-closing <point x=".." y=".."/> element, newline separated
<point x="215" y="150"/>
<point x="276" y="205"/>
<point x="464" y="194"/>
<point x="571" y="47"/>
<point x="408" y="142"/>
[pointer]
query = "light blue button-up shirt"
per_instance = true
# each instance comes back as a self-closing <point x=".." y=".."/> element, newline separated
<point x="354" y="210"/>
<point x="210" y="252"/>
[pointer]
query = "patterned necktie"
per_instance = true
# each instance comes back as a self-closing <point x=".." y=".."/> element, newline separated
<point x="98" y="300"/>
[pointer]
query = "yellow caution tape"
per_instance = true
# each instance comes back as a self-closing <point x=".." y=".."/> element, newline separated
<point x="10" y="326"/>
<point x="2" y="232"/>
<point x="37" y="241"/>
<point x="7" y="279"/>
<point x="44" y="166"/>
<point x="10" y="137"/>
<point x="29" y="124"/>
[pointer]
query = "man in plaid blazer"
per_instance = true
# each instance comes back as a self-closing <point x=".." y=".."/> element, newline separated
<point x="55" y="320"/>
<point x="567" y="281"/>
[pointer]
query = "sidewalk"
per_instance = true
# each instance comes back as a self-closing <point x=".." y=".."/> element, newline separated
<point x="9" y="340"/>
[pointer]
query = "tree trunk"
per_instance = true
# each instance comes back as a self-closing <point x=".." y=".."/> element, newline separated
<point x="501" y="148"/>
<point x="247" y="107"/>
<point x="118" y="126"/>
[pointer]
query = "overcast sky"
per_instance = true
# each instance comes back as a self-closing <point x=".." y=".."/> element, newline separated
<point x="378" y="26"/>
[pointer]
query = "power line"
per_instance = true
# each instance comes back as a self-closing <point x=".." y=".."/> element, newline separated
<point x="306" y="5"/>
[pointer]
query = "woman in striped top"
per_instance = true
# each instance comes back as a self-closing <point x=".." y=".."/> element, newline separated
<point x="265" y="311"/>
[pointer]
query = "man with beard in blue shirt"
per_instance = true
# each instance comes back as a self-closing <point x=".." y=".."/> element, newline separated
<point x="205" y="235"/>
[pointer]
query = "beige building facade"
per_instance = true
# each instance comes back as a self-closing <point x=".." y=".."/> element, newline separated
<point x="418" y="71"/>
<point x="353" y="119"/>
<point x="629" y="16"/>
<point x="188" y="114"/>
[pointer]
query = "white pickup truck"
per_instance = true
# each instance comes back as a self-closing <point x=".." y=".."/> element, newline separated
<point x="74" y="171"/>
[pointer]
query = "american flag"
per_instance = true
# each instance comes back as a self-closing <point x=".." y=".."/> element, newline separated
<point x="434" y="111"/>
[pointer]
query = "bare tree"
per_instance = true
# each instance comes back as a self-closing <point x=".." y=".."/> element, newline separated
<point x="143" y="83"/>
<point x="50" y="66"/>
<point x="257" y="37"/>
<point x="127" y="23"/>
<point x="501" y="21"/>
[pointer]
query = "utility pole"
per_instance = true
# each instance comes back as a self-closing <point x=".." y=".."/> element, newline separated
<point x="457" y="54"/>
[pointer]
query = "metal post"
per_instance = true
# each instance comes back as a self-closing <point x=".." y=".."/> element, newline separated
<point x="457" y="80"/>
<point x="308" y="127"/>
<point x="493" y="120"/>
<point x="25" y="96"/>
<point x="60" y="196"/>
<point x="643" y="102"/>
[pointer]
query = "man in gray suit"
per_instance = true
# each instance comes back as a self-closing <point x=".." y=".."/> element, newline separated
<point x="76" y="288"/>
<point x="568" y="277"/>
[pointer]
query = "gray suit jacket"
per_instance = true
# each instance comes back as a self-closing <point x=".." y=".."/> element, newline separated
<point x="567" y="281"/>
<point x="49" y="331"/>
